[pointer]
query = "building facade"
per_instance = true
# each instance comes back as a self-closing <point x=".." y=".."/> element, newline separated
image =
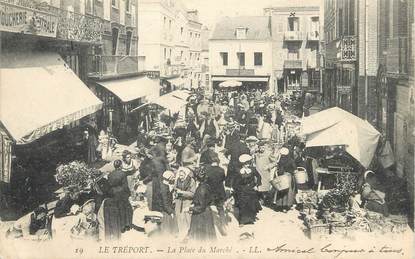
<point x="170" y="40"/>
<point x="369" y="67"/>
<point x="296" y="46"/>
<point x="240" y="49"/>
<point x="45" y="58"/>
<point x="205" y="58"/>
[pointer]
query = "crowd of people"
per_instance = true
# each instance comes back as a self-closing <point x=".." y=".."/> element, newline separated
<point x="223" y="155"/>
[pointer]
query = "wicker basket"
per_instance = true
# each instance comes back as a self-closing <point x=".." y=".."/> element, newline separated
<point x="281" y="182"/>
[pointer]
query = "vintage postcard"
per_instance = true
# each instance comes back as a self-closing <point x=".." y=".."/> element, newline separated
<point x="207" y="129"/>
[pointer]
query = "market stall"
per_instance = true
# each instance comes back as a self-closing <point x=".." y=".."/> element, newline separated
<point x="345" y="146"/>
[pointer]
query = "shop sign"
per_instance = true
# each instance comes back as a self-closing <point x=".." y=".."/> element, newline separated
<point x="20" y="19"/>
<point x="343" y="89"/>
<point x="78" y="27"/>
<point x="348" y="49"/>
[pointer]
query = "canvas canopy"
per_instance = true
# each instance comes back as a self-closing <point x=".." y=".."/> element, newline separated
<point x="171" y="102"/>
<point x="335" y="126"/>
<point x="230" y="83"/>
<point x="132" y="88"/>
<point x="39" y="94"/>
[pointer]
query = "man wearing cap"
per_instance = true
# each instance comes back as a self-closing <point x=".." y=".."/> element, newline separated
<point x="264" y="162"/>
<point x="252" y="143"/>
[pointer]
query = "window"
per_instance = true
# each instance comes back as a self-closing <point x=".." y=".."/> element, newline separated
<point x="258" y="58"/>
<point x="224" y="56"/>
<point x="114" y="41"/>
<point x="127" y="6"/>
<point x="165" y="53"/>
<point x="114" y="3"/>
<point x="241" y="33"/>
<point x="164" y="21"/>
<point x="241" y="58"/>
<point x="181" y="31"/>
<point x="315" y="25"/>
<point x="169" y="24"/>
<point x="293" y="54"/>
<point x="293" y="23"/>
<point x="89" y="6"/>
<point x="128" y="43"/>
<point x="191" y="35"/>
<point x="170" y="54"/>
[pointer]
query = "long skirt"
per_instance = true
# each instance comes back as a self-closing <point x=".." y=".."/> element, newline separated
<point x="168" y="225"/>
<point x="248" y="205"/>
<point x="126" y="213"/>
<point x="286" y="198"/>
<point x="183" y="218"/>
<point x="202" y="227"/>
<point x="109" y="220"/>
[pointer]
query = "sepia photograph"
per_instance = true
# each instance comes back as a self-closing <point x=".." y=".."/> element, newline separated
<point x="207" y="129"/>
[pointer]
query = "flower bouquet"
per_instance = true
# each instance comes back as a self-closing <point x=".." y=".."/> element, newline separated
<point x="75" y="176"/>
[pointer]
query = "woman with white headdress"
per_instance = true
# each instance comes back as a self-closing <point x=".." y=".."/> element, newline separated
<point x="284" y="199"/>
<point x="185" y="187"/>
<point x="246" y="191"/>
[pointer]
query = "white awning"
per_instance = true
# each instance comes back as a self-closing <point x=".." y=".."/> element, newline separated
<point x="132" y="88"/>
<point x="171" y="102"/>
<point x="182" y="94"/>
<point x="40" y="94"/>
<point x="241" y="79"/>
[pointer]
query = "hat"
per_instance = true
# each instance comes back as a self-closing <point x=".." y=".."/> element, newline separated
<point x="251" y="139"/>
<point x="284" y="151"/>
<point x="212" y="156"/>
<point x="245" y="158"/>
<point x="167" y="175"/>
<point x="263" y="142"/>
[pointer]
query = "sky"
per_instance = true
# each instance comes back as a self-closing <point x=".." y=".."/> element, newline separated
<point x="210" y="11"/>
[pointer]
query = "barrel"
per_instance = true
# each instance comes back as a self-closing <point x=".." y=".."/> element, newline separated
<point x="282" y="182"/>
<point x="300" y="175"/>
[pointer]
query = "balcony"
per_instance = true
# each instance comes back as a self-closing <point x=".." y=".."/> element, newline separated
<point x="240" y="72"/>
<point x="293" y="36"/>
<point x="103" y="67"/>
<point x="51" y="21"/>
<point x="293" y="64"/>
<point x="397" y="57"/>
<point x="313" y="36"/>
<point x="170" y="71"/>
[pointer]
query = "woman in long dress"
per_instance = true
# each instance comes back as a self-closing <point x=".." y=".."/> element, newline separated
<point x="202" y="227"/>
<point x="285" y="199"/>
<point x="115" y="215"/>
<point x="168" y="224"/>
<point x="246" y="187"/>
<point x="185" y="188"/>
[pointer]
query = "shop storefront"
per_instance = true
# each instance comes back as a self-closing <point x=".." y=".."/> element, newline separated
<point x="40" y="118"/>
<point x="120" y="97"/>
<point x="248" y="83"/>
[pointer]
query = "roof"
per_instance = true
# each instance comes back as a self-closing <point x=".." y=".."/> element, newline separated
<point x="132" y="88"/>
<point x="258" y="28"/>
<point x="40" y="94"/>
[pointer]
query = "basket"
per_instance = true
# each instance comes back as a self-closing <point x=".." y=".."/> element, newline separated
<point x="300" y="175"/>
<point x="281" y="182"/>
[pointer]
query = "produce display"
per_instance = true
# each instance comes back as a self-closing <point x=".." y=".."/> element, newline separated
<point x="338" y="197"/>
<point x="75" y="176"/>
